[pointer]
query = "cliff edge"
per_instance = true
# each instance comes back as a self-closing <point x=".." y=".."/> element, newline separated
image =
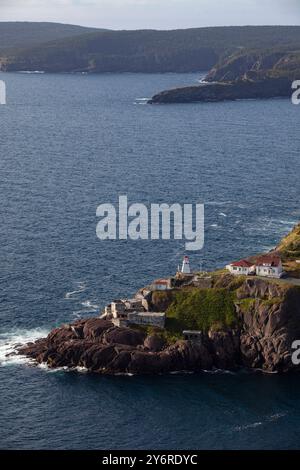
<point x="217" y="320"/>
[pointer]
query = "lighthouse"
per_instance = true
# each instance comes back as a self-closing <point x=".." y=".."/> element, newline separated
<point x="186" y="266"/>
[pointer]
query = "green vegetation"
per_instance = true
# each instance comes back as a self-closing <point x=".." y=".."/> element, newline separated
<point x="237" y="282"/>
<point x="162" y="299"/>
<point x="271" y="302"/>
<point x="258" y="64"/>
<point x="28" y="34"/>
<point x="170" y="334"/>
<point x="151" y="51"/>
<point x="247" y="304"/>
<point x="289" y="247"/>
<point x="202" y="309"/>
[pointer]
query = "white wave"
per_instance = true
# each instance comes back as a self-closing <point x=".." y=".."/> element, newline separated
<point x="31" y="71"/>
<point x="141" y="100"/>
<point x="248" y="426"/>
<point x="90" y="306"/>
<point x="276" y="416"/>
<point x="82" y="370"/>
<point x="124" y="374"/>
<point x="271" y="418"/>
<point x="222" y="214"/>
<point x="218" y="371"/>
<point x="287" y="222"/>
<point x="181" y="372"/>
<point x="10" y="341"/>
<point x="80" y="287"/>
<point x="214" y="225"/>
<point x="218" y="203"/>
<point x="77" y="314"/>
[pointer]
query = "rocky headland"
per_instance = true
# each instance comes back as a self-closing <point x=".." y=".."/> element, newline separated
<point x="243" y="322"/>
<point x="242" y="75"/>
<point x="226" y="91"/>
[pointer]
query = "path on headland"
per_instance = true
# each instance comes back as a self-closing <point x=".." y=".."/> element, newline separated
<point x="284" y="280"/>
<point x="290" y="280"/>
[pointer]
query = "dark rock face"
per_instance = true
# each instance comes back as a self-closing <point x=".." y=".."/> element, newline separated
<point x="101" y="347"/>
<point x="225" y="91"/>
<point x="154" y="343"/>
<point x="269" y="323"/>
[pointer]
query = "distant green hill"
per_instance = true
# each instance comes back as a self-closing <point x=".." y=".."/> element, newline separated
<point x="152" y="51"/>
<point x="27" y="34"/>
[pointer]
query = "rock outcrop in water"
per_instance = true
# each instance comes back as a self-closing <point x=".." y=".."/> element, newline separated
<point x="268" y="321"/>
<point x="226" y="91"/>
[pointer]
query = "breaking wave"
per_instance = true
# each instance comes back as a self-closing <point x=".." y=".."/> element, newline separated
<point x="80" y="287"/>
<point x="10" y="341"/>
<point x="267" y="419"/>
<point x="89" y="306"/>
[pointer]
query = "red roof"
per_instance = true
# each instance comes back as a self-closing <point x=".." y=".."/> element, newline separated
<point x="269" y="260"/>
<point x="242" y="264"/>
<point x="161" y="281"/>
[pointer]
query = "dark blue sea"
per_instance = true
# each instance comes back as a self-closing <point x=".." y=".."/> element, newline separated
<point x="71" y="142"/>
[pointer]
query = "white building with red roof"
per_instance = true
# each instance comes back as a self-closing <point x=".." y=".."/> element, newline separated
<point x="269" y="265"/>
<point x="242" y="267"/>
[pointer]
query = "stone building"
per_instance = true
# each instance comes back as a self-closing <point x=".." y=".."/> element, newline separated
<point x="192" y="335"/>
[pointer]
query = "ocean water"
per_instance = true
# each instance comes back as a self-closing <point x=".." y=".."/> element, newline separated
<point x="71" y="142"/>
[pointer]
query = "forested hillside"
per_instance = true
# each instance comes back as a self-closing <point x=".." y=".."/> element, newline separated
<point x="26" y="34"/>
<point x="148" y="50"/>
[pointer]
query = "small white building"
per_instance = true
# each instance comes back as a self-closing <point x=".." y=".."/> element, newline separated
<point x="117" y="308"/>
<point x="161" y="284"/>
<point x="147" y="319"/>
<point x="134" y="305"/>
<point x="269" y="266"/>
<point x="242" y="267"/>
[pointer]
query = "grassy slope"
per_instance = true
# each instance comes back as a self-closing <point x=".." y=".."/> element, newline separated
<point x="289" y="249"/>
<point x="214" y="308"/>
<point x="289" y="246"/>
<point x="202" y="309"/>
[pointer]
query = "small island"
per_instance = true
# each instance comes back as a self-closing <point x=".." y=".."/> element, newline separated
<point x="246" y="315"/>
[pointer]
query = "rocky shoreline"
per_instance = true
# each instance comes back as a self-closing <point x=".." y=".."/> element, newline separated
<point x="241" y="322"/>
<point x="226" y="91"/>
<point x="98" y="346"/>
<point x="268" y="323"/>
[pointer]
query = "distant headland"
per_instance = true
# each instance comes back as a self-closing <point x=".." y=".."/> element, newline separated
<point x="246" y="315"/>
<point x="243" y="75"/>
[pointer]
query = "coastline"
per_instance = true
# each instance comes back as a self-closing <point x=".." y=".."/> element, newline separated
<point x="254" y="328"/>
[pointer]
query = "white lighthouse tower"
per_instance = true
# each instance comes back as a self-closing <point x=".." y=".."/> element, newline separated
<point x="186" y="266"/>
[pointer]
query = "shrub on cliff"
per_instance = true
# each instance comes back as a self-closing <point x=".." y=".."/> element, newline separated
<point x="202" y="309"/>
<point x="289" y="247"/>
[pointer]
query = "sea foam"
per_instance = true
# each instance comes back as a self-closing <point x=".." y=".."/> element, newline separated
<point x="11" y="341"/>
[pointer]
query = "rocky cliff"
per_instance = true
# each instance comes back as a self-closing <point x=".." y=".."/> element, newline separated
<point x="243" y="322"/>
<point x="265" y="324"/>
<point x="241" y="89"/>
<point x="243" y="75"/>
<point x="256" y="65"/>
